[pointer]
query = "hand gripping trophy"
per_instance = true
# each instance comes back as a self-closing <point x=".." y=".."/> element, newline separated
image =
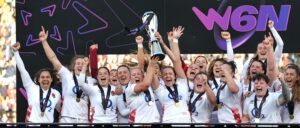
<point x="150" y="20"/>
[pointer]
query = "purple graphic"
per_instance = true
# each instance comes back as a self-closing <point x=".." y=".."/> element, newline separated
<point x="101" y="20"/>
<point x="56" y="35"/>
<point x="268" y="12"/>
<point x="25" y="15"/>
<point x="23" y="92"/>
<point x="212" y="17"/>
<point x="28" y="53"/>
<point x="50" y="9"/>
<point x="69" y="36"/>
<point x="31" y="41"/>
<point x="64" y="4"/>
<point x="20" y="1"/>
<point x="246" y="14"/>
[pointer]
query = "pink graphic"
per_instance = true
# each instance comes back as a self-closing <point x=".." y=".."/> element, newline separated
<point x="23" y="92"/>
<point x="76" y="5"/>
<point x="65" y="4"/>
<point x="60" y="49"/>
<point x="50" y="9"/>
<point x="25" y="15"/>
<point x="31" y="41"/>
<point x="56" y="34"/>
<point x="20" y="1"/>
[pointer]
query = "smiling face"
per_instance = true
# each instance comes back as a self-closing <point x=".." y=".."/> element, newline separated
<point x="123" y="75"/>
<point x="202" y="63"/>
<point x="113" y="77"/>
<point x="45" y="79"/>
<point x="168" y="76"/>
<point x="217" y="69"/>
<point x="103" y="76"/>
<point x="136" y="75"/>
<point x="261" y="51"/>
<point x="290" y="77"/>
<point x="200" y="83"/>
<point x="261" y="84"/>
<point x="255" y="68"/>
<point x="192" y="71"/>
<point x="260" y="87"/>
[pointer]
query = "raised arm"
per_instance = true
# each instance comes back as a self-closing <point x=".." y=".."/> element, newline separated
<point x="143" y="86"/>
<point x="230" y="55"/>
<point x="271" y="71"/>
<point x="285" y="94"/>
<point x="140" y="53"/>
<point x="94" y="60"/>
<point x="210" y="95"/>
<point x="27" y="81"/>
<point x="177" y="33"/>
<point x="233" y="87"/>
<point x="164" y="46"/>
<point x="279" y="42"/>
<point x="49" y="52"/>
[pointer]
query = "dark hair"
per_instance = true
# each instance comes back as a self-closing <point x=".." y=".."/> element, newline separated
<point x="51" y="72"/>
<point x="165" y="67"/>
<point x="125" y="66"/>
<point x="201" y="73"/>
<point x="211" y="67"/>
<point x="199" y="57"/>
<point x="261" y="76"/>
<point x="104" y="68"/>
<point x="264" y="67"/>
<point x="72" y="64"/>
<point x="296" y="88"/>
<point x="232" y="66"/>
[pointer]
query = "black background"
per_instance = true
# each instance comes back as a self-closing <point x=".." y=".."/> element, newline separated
<point x="196" y="39"/>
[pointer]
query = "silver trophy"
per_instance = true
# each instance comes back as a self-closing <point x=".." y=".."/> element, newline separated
<point x="150" y="20"/>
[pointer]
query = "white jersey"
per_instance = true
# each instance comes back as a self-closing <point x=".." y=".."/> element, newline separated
<point x="70" y="107"/>
<point x="33" y="113"/>
<point x="98" y="115"/>
<point x="123" y="109"/>
<point x="202" y="111"/>
<point x="270" y="112"/>
<point x="213" y="86"/>
<point x="275" y="86"/>
<point x="171" y="112"/>
<point x="191" y="85"/>
<point x="230" y="101"/>
<point x="245" y="88"/>
<point x="140" y="110"/>
<point x="286" y="116"/>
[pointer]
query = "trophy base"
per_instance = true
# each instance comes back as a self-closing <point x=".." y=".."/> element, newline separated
<point x="159" y="55"/>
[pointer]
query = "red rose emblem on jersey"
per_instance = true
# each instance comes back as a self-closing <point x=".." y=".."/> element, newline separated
<point x="53" y="95"/>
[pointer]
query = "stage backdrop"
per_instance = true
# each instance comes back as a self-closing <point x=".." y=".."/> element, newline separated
<point x="74" y="25"/>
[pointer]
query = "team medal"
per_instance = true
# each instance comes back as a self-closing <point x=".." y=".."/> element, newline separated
<point x="177" y="104"/>
<point x="256" y="120"/>
<point x="42" y="114"/>
<point x="291" y="117"/>
<point x="248" y="93"/>
<point x="104" y="112"/>
<point x="77" y="99"/>
<point x="125" y="104"/>
<point x="149" y="103"/>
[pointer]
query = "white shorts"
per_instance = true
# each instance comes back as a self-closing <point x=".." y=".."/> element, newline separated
<point x="65" y="119"/>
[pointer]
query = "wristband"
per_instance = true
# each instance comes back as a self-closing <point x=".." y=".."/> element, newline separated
<point x="140" y="46"/>
<point x="175" y="40"/>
